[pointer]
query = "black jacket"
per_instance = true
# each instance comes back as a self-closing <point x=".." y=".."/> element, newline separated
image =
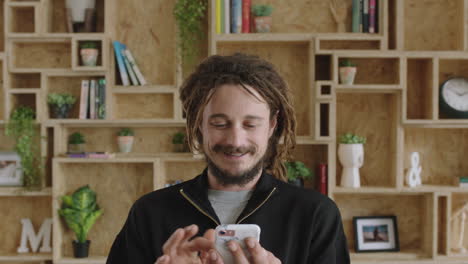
<point x="297" y="225"/>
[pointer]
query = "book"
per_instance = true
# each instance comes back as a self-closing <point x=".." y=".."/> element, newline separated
<point x="92" y="99"/>
<point x="463" y="179"/>
<point x="236" y="16"/>
<point x="361" y="9"/>
<point x="322" y="178"/>
<point x="222" y="17"/>
<point x="84" y="99"/>
<point x="372" y="16"/>
<point x="75" y="154"/>
<point x="101" y="112"/>
<point x="356" y="14"/>
<point x="463" y="184"/>
<point x="129" y="68"/>
<point x="120" y="63"/>
<point x="218" y="16"/>
<point x="90" y="155"/>
<point x="246" y="16"/>
<point x="136" y="69"/>
<point x="227" y="16"/>
<point x="365" y="16"/>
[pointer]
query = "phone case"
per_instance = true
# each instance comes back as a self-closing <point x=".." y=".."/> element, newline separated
<point x="240" y="232"/>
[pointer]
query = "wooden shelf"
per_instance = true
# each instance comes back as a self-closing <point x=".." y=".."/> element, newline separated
<point x="88" y="260"/>
<point x="144" y="89"/>
<point x="369" y="88"/>
<point x="26" y="257"/>
<point x="114" y="123"/>
<point x="20" y="191"/>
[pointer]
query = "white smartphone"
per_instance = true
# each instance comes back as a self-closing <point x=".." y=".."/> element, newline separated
<point x="239" y="233"/>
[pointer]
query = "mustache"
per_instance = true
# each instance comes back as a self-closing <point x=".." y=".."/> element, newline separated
<point x="232" y="149"/>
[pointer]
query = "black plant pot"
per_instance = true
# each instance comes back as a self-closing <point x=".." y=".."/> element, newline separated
<point x="297" y="182"/>
<point x="60" y="111"/>
<point x="81" y="250"/>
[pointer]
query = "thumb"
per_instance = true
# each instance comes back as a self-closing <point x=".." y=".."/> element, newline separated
<point x="164" y="259"/>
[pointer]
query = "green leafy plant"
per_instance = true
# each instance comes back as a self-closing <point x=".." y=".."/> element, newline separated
<point x="178" y="138"/>
<point x="88" y="45"/>
<point x="347" y="63"/>
<point x="350" y="138"/>
<point x="76" y="138"/>
<point x="80" y="211"/>
<point x="189" y="16"/>
<point x="60" y="99"/>
<point x="21" y="126"/>
<point x="262" y="10"/>
<point x="297" y="170"/>
<point x="126" y="132"/>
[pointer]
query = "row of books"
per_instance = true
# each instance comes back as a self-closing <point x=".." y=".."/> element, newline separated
<point x="233" y="16"/>
<point x="127" y="67"/>
<point x="365" y="16"/>
<point x="93" y="99"/>
<point x="90" y="155"/>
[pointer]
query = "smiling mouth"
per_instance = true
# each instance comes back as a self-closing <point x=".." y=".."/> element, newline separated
<point x="237" y="155"/>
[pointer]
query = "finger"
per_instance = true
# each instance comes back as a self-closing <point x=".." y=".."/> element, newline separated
<point x="209" y="234"/>
<point x="174" y="241"/>
<point x="237" y="252"/>
<point x="272" y="259"/>
<point x="190" y="231"/>
<point x="212" y="257"/>
<point x="257" y="252"/>
<point x="199" y="244"/>
<point x="164" y="259"/>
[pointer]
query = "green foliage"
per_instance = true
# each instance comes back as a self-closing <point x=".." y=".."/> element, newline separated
<point x="178" y="138"/>
<point x="347" y="63"/>
<point x="296" y="170"/>
<point x="88" y="45"/>
<point x="189" y="15"/>
<point x="350" y="138"/>
<point x="76" y="138"/>
<point x="22" y="128"/>
<point x="60" y="99"/>
<point x="262" y="10"/>
<point x="80" y="211"/>
<point x="125" y="132"/>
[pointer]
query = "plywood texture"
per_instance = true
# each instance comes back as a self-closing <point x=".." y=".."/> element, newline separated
<point x="13" y="210"/>
<point x="117" y="187"/>
<point x="6" y="143"/>
<point x="147" y="140"/>
<point x="452" y="68"/>
<point x="2" y="104"/>
<point x="24" y="100"/>
<point x="2" y="25"/>
<point x="440" y="152"/>
<point x="458" y="201"/>
<point x="442" y="225"/>
<point x="42" y="55"/>
<point x="296" y="18"/>
<point x="144" y="106"/>
<point x="183" y="170"/>
<point x="419" y="89"/>
<point x="410" y="217"/>
<point x="25" y="80"/>
<point x="151" y="38"/>
<point x="444" y="29"/>
<point x="291" y="61"/>
<point x="349" y="44"/>
<point x="22" y="19"/>
<point x="374" y="117"/>
<point x="311" y="156"/>
<point x="376" y="70"/>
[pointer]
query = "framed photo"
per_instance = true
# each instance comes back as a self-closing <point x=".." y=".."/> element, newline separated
<point x="376" y="233"/>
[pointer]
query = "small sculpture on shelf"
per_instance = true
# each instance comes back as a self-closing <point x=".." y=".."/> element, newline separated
<point x="339" y="12"/>
<point x="125" y="138"/>
<point x="35" y="239"/>
<point x="413" y="174"/>
<point x="460" y="216"/>
<point x="351" y="156"/>
<point x="89" y="53"/>
<point x="347" y="72"/>
<point x="76" y="143"/>
<point x="262" y="18"/>
<point x="11" y="173"/>
<point x="60" y="104"/>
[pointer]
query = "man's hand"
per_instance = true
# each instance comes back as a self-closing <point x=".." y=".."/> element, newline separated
<point x="259" y="255"/>
<point x="179" y="249"/>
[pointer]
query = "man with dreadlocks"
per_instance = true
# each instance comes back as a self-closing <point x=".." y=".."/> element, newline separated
<point x="238" y="107"/>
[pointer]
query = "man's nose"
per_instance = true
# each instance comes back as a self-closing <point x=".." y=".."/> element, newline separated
<point x="236" y="136"/>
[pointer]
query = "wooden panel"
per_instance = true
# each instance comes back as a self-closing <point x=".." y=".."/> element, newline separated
<point x="349" y="44"/>
<point x="376" y="70"/>
<point x="311" y="156"/>
<point x="458" y="201"/>
<point x="57" y="16"/>
<point x="183" y="170"/>
<point x="117" y="187"/>
<point x="419" y="89"/>
<point x="373" y="116"/>
<point x="452" y="68"/>
<point x="2" y="103"/>
<point x="152" y="45"/>
<point x="444" y="29"/>
<point x="410" y="217"/>
<point x="2" y="26"/>
<point x="440" y="152"/>
<point x="42" y="55"/>
<point x="442" y="225"/>
<point x="25" y="80"/>
<point x="13" y="210"/>
<point x="23" y="100"/>
<point x="22" y="19"/>
<point x="144" y="106"/>
<point x="291" y="61"/>
<point x="6" y="143"/>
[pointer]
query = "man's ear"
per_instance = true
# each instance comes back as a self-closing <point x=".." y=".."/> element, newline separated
<point x="273" y="123"/>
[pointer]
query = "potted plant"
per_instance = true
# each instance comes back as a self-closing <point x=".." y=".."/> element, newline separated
<point x="262" y="18"/>
<point x="80" y="14"/>
<point x="178" y="140"/>
<point x="60" y="104"/>
<point x="351" y="156"/>
<point x="297" y="172"/>
<point x="347" y="72"/>
<point x="76" y="142"/>
<point x="21" y="126"/>
<point x="125" y="138"/>
<point x="80" y="212"/>
<point x="89" y="53"/>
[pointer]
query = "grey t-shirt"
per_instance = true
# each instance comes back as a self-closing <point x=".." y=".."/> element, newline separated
<point x="228" y="205"/>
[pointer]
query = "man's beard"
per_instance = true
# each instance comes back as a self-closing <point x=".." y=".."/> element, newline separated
<point x="226" y="178"/>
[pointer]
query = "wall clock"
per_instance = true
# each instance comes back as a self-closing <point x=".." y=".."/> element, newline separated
<point x="453" y="98"/>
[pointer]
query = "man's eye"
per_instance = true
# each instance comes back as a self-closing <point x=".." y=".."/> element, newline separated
<point x="219" y="125"/>
<point x="250" y="125"/>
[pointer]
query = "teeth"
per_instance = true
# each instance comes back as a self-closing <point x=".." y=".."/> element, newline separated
<point x="235" y="154"/>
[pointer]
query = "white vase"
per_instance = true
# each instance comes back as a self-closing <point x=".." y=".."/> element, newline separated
<point x="125" y="143"/>
<point x="347" y="75"/>
<point x="351" y="157"/>
<point x="78" y="8"/>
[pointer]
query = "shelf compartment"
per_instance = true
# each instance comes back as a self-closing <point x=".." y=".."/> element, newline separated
<point x="40" y="54"/>
<point x="374" y="116"/>
<point x="449" y="68"/>
<point x="36" y="208"/>
<point x="374" y="70"/>
<point x="25" y="80"/>
<point x="324" y="90"/>
<point x="419" y="92"/>
<point x="27" y="98"/>
<point x="323" y="124"/>
<point x="323" y="67"/>
<point x="459" y="201"/>
<point x="6" y="143"/>
<point x="348" y="44"/>
<point x="439" y="150"/>
<point x="57" y="17"/>
<point x="446" y="24"/>
<point x="179" y="169"/>
<point x="414" y="220"/>
<point x="312" y="155"/>
<point x="442" y="219"/>
<point x="22" y="18"/>
<point x="292" y="62"/>
<point x="102" y="47"/>
<point x="129" y="181"/>
<point x="143" y="106"/>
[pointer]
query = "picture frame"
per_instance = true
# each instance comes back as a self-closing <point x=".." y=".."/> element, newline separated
<point x="376" y="233"/>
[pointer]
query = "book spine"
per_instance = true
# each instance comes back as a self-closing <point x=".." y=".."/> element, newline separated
<point x="372" y="16"/>
<point x="361" y="10"/>
<point x="223" y="17"/>
<point x="365" y="17"/>
<point x="236" y="16"/>
<point x="227" y="16"/>
<point x="218" y="16"/>
<point x="120" y="63"/>
<point x="92" y="99"/>
<point x="136" y="69"/>
<point x="355" y="19"/>
<point x="322" y="178"/>
<point x="129" y="68"/>
<point x="84" y="99"/>
<point x="102" y="99"/>
<point x="246" y="16"/>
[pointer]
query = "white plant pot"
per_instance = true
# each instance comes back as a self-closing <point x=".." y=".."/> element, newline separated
<point x="89" y="56"/>
<point x="78" y="8"/>
<point x="351" y="157"/>
<point x="125" y="143"/>
<point x="347" y="75"/>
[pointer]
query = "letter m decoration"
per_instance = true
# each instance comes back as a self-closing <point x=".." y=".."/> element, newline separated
<point x="34" y="240"/>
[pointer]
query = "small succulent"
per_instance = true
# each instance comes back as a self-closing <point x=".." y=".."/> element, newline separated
<point x="350" y="138"/>
<point x="297" y="170"/>
<point x="60" y="99"/>
<point x="262" y="10"/>
<point x="125" y="132"/>
<point x="178" y="138"/>
<point x="88" y="45"/>
<point x="76" y="138"/>
<point x="347" y="63"/>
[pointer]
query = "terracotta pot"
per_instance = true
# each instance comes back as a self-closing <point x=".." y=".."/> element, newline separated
<point x="347" y="75"/>
<point x="89" y="57"/>
<point x="351" y="157"/>
<point x="125" y="143"/>
<point x="263" y="24"/>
